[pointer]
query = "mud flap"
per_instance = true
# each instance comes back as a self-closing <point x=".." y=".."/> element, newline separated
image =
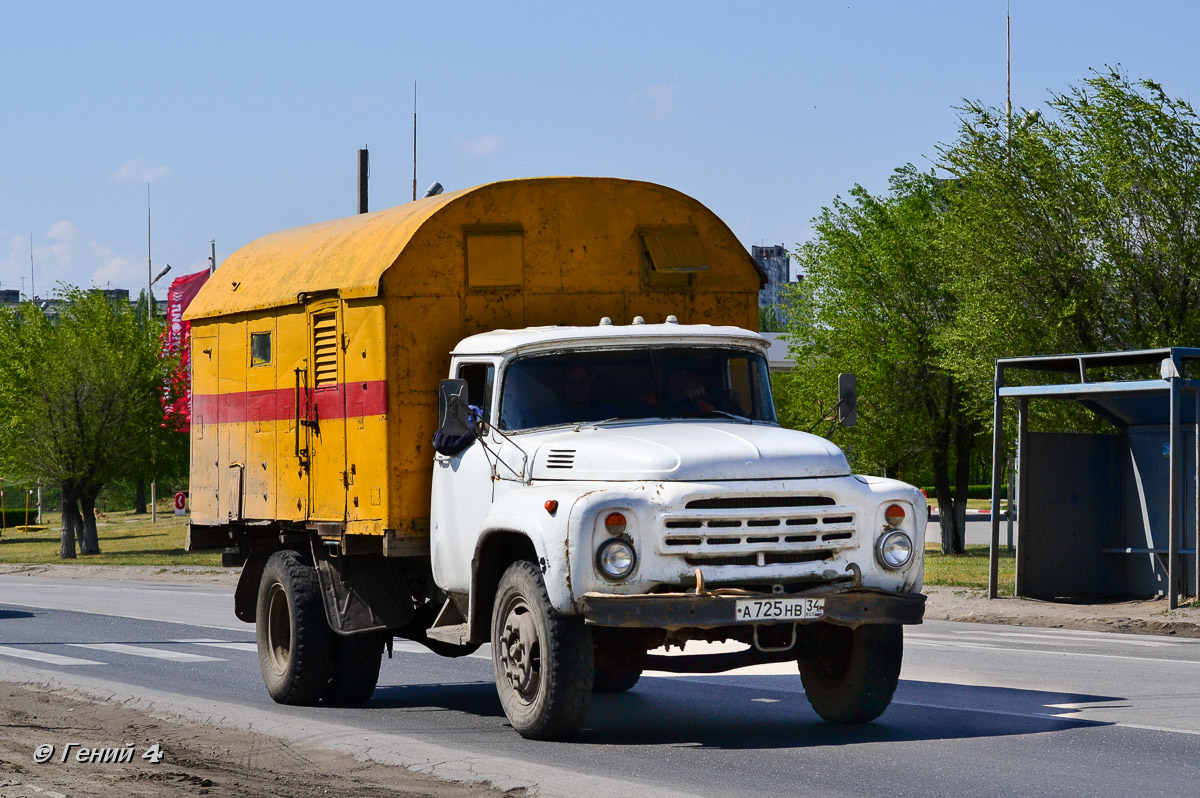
<point x="362" y="593"/>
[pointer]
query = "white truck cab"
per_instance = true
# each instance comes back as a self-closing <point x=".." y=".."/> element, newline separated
<point x="641" y="475"/>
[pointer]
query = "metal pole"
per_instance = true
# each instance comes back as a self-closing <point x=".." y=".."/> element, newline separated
<point x="149" y="267"/>
<point x="1012" y="488"/>
<point x="212" y="259"/>
<point x="1022" y="442"/>
<point x="414" y="141"/>
<point x="153" y="501"/>
<point x="1176" y="477"/>
<point x="39" y="490"/>
<point x="997" y="453"/>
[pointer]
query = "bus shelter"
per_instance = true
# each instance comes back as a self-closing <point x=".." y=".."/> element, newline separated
<point x="1104" y="514"/>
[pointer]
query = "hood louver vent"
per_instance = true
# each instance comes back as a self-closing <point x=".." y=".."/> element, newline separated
<point x="560" y="458"/>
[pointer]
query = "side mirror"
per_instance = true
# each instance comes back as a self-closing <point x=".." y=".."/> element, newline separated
<point x="847" y="400"/>
<point x="453" y="412"/>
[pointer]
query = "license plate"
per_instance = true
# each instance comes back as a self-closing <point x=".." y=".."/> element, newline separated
<point x="784" y="609"/>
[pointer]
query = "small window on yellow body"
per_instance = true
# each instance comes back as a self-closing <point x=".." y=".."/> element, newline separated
<point x="674" y="250"/>
<point x="495" y="258"/>
<point x="260" y="349"/>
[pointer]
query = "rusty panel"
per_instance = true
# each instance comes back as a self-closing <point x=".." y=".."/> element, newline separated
<point x="723" y="308"/>
<point x="492" y="310"/>
<point x="582" y="309"/>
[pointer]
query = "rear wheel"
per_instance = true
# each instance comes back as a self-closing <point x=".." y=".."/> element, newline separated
<point x="542" y="660"/>
<point x="294" y="639"/>
<point x="355" y="673"/>
<point x="851" y="675"/>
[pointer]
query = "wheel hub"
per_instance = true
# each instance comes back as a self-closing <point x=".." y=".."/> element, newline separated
<point x="520" y="652"/>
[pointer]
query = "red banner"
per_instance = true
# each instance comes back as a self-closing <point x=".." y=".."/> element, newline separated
<point x="177" y="393"/>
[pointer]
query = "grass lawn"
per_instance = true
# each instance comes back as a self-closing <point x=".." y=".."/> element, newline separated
<point x="969" y="569"/>
<point x="125" y="539"/>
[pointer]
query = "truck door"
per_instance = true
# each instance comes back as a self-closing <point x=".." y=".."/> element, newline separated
<point x="325" y="414"/>
<point x="462" y="491"/>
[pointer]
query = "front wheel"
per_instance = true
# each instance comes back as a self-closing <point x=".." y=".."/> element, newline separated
<point x="850" y="675"/>
<point x="294" y="639"/>
<point x="542" y="660"/>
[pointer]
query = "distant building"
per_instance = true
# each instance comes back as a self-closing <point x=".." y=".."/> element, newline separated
<point x="778" y="266"/>
<point x="10" y="296"/>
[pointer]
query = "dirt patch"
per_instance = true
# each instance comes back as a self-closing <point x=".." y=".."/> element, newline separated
<point x="1139" y="616"/>
<point x="129" y="573"/>
<point x="198" y="759"/>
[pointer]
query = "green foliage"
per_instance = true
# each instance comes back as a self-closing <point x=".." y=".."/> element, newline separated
<point x="1079" y="232"/>
<point x="1084" y="234"/>
<point x="877" y="302"/>
<point x="79" y="394"/>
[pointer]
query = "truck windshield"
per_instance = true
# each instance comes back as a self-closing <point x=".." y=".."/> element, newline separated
<point x="683" y="382"/>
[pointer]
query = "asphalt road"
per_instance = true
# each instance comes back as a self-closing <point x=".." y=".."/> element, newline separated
<point x="980" y="711"/>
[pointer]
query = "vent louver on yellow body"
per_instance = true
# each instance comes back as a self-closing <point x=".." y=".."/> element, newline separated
<point x="325" y="350"/>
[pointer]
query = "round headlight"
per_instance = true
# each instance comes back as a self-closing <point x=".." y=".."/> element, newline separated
<point x="894" y="550"/>
<point x="616" y="558"/>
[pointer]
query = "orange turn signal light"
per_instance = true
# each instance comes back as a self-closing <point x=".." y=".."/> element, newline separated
<point x="894" y="515"/>
<point x="551" y="506"/>
<point x="615" y="523"/>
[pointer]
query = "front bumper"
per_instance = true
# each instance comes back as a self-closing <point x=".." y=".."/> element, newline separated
<point x="844" y="606"/>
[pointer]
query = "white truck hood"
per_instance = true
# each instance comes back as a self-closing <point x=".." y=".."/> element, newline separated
<point x="683" y="451"/>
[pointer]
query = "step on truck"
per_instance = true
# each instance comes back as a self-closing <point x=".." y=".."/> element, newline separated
<point x="532" y="414"/>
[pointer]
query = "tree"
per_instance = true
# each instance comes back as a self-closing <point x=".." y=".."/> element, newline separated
<point x="78" y="400"/>
<point x="1082" y="233"/>
<point x="877" y="301"/>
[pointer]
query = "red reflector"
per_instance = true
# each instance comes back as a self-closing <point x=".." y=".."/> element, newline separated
<point x="894" y="515"/>
<point x="551" y="506"/>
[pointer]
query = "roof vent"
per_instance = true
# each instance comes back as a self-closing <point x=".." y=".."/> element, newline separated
<point x="606" y="322"/>
<point x="638" y="320"/>
<point x="672" y="320"/>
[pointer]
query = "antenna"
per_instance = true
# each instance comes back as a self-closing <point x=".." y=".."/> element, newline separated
<point x="32" y="291"/>
<point x="1008" y="102"/>
<point x="414" y="141"/>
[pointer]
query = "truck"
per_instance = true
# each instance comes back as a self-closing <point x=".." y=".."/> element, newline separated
<point x="534" y="415"/>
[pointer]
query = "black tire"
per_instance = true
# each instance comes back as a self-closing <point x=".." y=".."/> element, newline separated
<point x="615" y="678"/>
<point x="355" y="673"/>
<point x="851" y="675"/>
<point x="542" y="660"/>
<point x="294" y="640"/>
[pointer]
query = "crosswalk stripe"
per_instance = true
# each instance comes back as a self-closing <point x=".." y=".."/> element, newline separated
<point x="153" y="653"/>
<point x="235" y="646"/>
<point x="42" y="656"/>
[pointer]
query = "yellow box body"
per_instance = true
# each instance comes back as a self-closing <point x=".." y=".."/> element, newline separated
<point x="357" y="317"/>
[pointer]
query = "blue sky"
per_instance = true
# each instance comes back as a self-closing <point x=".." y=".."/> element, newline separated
<point x="246" y="117"/>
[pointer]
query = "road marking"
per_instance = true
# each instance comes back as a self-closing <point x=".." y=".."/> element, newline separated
<point x="42" y="656"/>
<point x="201" y="641"/>
<point x="982" y="637"/>
<point x="153" y="653"/>
<point x="997" y="647"/>
<point x="1056" y="638"/>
